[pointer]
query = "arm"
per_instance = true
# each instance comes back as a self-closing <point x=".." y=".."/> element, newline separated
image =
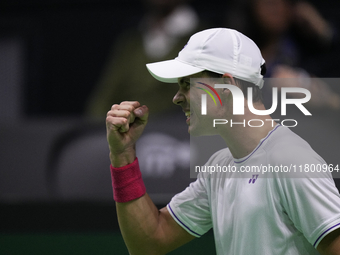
<point x="313" y="205"/>
<point x="330" y="244"/>
<point x="145" y="229"/>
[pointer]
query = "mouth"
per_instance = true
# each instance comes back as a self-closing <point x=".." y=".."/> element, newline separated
<point x="187" y="114"/>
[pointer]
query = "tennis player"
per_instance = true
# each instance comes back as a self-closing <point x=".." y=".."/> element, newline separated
<point x="254" y="215"/>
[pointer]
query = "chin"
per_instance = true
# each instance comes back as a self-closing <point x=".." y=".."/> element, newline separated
<point x="194" y="133"/>
<point x="192" y="130"/>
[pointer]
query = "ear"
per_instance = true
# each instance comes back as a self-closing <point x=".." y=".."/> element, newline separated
<point x="229" y="78"/>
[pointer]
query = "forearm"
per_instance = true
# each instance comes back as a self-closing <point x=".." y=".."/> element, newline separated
<point x="139" y="220"/>
<point x="145" y="229"/>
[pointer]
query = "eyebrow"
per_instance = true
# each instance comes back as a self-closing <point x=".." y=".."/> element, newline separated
<point x="183" y="80"/>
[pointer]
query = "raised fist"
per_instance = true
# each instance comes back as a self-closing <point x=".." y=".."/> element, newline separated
<point x="125" y="123"/>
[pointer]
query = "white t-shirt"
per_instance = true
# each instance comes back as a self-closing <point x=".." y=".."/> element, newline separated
<point x="262" y="215"/>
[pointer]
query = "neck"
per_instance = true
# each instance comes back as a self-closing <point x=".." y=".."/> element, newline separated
<point x="242" y="139"/>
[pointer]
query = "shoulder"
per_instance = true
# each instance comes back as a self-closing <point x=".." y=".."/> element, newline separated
<point x="288" y="147"/>
<point x="294" y="156"/>
<point x="221" y="156"/>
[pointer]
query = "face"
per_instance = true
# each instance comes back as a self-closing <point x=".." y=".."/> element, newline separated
<point x="189" y="98"/>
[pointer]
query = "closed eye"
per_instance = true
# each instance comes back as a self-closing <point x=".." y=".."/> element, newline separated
<point x="184" y="83"/>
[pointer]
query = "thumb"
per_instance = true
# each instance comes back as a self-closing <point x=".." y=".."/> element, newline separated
<point x="142" y="113"/>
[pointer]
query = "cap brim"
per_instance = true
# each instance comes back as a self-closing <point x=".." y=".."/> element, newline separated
<point x="170" y="70"/>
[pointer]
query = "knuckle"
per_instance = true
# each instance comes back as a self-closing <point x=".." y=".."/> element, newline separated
<point x="127" y="114"/>
<point x="131" y="103"/>
<point x="112" y="113"/>
<point x="130" y="108"/>
<point x="115" y="106"/>
<point x="126" y="103"/>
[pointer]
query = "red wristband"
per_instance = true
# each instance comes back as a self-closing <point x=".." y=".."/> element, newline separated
<point x="127" y="182"/>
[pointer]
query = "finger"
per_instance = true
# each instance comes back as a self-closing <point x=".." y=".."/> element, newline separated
<point x="135" y="104"/>
<point x="119" y="124"/>
<point x="128" y="107"/>
<point x="115" y="107"/>
<point x="116" y="116"/>
<point x="124" y="110"/>
<point x="142" y="113"/>
<point x="127" y="113"/>
<point x="121" y="113"/>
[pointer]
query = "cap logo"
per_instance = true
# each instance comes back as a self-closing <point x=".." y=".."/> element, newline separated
<point x="245" y="60"/>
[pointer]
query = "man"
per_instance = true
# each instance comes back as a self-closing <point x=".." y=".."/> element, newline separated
<point x="270" y="216"/>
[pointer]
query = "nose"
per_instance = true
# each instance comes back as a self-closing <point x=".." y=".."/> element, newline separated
<point x="179" y="98"/>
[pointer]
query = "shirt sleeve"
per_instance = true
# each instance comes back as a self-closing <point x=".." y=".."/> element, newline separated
<point x="313" y="205"/>
<point x="191" y="209"/>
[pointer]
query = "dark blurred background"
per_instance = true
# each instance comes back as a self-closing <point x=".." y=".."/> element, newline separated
<point x="55" y="190"/>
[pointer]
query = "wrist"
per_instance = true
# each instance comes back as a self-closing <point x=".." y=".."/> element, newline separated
<point x="122" y="159"/>
<point x="127" y="182"/>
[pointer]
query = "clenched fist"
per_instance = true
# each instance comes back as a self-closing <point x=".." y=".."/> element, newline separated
<point x="125" y="123"/>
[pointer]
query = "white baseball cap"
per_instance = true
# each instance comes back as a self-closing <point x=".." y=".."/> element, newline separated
<point x="220" y="50"/>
